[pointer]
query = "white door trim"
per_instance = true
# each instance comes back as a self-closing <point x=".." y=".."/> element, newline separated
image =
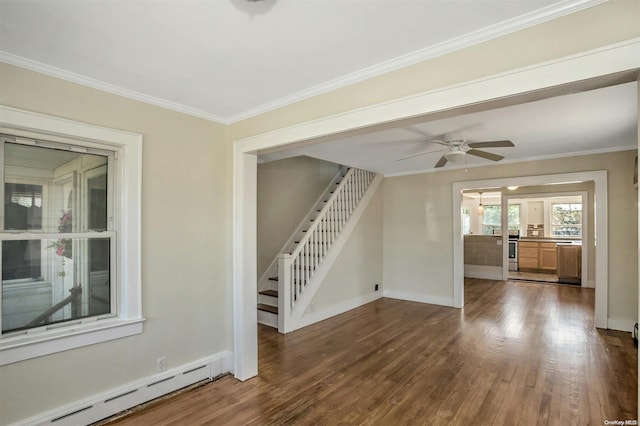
<point x="599" y="177"/>
<point x="617" y="58"/>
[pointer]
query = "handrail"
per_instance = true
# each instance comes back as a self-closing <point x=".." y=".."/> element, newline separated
<point x="322" y="212"/>
<point x="75" y="292"/>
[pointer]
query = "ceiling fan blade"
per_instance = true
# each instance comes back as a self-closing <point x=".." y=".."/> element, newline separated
<point x="491" y="144"/>
<point x="417" y="155"/>
<point x="441" y="162"/>
<point x="485" y="154"/>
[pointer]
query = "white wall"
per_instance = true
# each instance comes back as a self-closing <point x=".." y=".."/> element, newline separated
<point x="287" y="189"/>
<point x="184" y="273"/>
<point x="418" y="227"/>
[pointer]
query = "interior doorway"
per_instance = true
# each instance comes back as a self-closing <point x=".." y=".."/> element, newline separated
<point x="554" y="239"/>
<point x="600" y="234"/>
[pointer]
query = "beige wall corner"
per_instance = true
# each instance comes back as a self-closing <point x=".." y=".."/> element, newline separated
<point x="351" y="280"/>
<point x="184" y="240"/>
<point x="287" y="189"/>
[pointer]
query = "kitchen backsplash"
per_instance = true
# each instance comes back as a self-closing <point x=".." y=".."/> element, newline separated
<point x="535" y="230"/>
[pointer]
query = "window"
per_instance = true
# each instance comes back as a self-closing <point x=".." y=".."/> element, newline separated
<point x="69" y="235"/>
<point x="59" y="242"/>
<point x="491" y="223"/>
<point x="492" y="219"/>
<point x="566" y="219"/>
<point x="514" y="217"/>
<point x="466" y="221"/>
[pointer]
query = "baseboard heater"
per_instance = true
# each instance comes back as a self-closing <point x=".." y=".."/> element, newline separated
<point x="110" y="403"/>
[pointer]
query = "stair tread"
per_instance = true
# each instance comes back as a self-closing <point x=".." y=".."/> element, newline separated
<point x="273" y="293"/>
<point x="267" y="308"/>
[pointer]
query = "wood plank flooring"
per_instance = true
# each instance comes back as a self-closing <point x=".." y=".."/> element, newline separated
<point x="518" y="353"/>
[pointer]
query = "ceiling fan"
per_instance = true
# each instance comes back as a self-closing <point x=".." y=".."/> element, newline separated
<point x="457" y="150"/>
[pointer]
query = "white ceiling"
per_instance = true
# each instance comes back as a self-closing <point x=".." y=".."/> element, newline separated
<point x="226" y="60"/>
<point x="229" y="59"/>
<point x="597" y="120"/>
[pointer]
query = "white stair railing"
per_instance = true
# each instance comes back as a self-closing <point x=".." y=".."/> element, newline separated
<point x="296" y="270"/>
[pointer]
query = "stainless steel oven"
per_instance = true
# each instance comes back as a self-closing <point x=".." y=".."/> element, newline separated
<point x="514" y="236"/>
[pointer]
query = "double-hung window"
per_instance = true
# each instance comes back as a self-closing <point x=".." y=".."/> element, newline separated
<point x="58" y="240"/>
<point x="566" y="219"/>
<point x="69" y="236"/>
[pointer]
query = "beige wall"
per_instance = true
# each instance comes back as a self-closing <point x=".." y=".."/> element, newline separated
<point x="287" y="189"/>
<point x="359" y="266"/>
<point x="607" y="23"/>
<point x="185" y="298"/>
<point x="418" y="226"/>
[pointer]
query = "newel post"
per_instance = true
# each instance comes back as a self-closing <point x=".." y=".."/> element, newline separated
<point x="285" y="263"/>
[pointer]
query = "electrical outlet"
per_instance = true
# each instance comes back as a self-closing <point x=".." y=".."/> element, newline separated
<point x="161" y="364"/>
<point x="376" y="287"/>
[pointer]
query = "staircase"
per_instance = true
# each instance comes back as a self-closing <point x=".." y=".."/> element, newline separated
<point x="288" y="285"/>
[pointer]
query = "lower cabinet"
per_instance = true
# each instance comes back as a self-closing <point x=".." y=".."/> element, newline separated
<point x="569" y="261"/>
<point x="528" y="255"/>
<point x="537" y="256"/>
<point x="547" y="257"/>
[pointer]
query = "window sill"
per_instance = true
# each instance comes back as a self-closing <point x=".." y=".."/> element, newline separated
<point x="23" y="347"/>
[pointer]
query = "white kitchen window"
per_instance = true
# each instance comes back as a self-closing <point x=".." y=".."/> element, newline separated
<point x="69" y="235"/>
<point x="566" y="219"/>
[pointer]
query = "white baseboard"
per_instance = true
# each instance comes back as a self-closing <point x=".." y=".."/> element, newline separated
<point x="620" y="324"/>
<point x="323" y="314"/>
<point x="591" y="284"/>
<point x="422" y="298"/>
<point x="114" y="401"/>
<point x="483" y="272"/>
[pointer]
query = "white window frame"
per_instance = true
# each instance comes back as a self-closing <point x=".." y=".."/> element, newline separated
<point x="551" y="225"/>
<point x="127" y="199"/>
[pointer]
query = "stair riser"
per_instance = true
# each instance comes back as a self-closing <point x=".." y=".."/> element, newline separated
<point x="267" y="300"/>
<point x="267" y="318"/>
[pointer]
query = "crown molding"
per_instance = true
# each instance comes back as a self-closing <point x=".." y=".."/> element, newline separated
<point x="39" y="67"/>
<point x="509" y="26"/>
<point x="503" y="28"/>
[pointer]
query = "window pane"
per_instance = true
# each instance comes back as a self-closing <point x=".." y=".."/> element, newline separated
<point x="466" y="221"/>
<point x="514" y="216"/>
<point x="69" y="196"/>
<point x="567" y="219"/>
<point x="21" y="260"/>
<point x="22" y="206"/>
<point x="492" y="215"/>
<point x="74" y="282"/>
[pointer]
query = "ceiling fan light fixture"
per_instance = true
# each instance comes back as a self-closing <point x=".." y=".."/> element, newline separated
<point x="455" y="155"/>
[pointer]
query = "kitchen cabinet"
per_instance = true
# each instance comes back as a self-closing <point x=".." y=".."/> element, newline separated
<point x="528" y="255"/>
<point x="569" y="260"/>
<point x="547" y="257"/>
<point x="537" y="256"/>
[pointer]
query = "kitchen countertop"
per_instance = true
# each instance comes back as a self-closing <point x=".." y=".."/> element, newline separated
<point x="573" y="241"/>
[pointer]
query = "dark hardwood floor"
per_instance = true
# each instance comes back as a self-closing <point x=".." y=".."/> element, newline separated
<point x="518" y="353"/>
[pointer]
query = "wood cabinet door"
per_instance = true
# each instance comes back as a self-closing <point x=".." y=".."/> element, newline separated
<point x="569" y="258"/>
<point x="548" y="257"/>
<point x="528" y="263"/>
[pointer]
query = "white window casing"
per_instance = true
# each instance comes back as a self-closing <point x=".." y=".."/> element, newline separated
<point x="125" y="234"/>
